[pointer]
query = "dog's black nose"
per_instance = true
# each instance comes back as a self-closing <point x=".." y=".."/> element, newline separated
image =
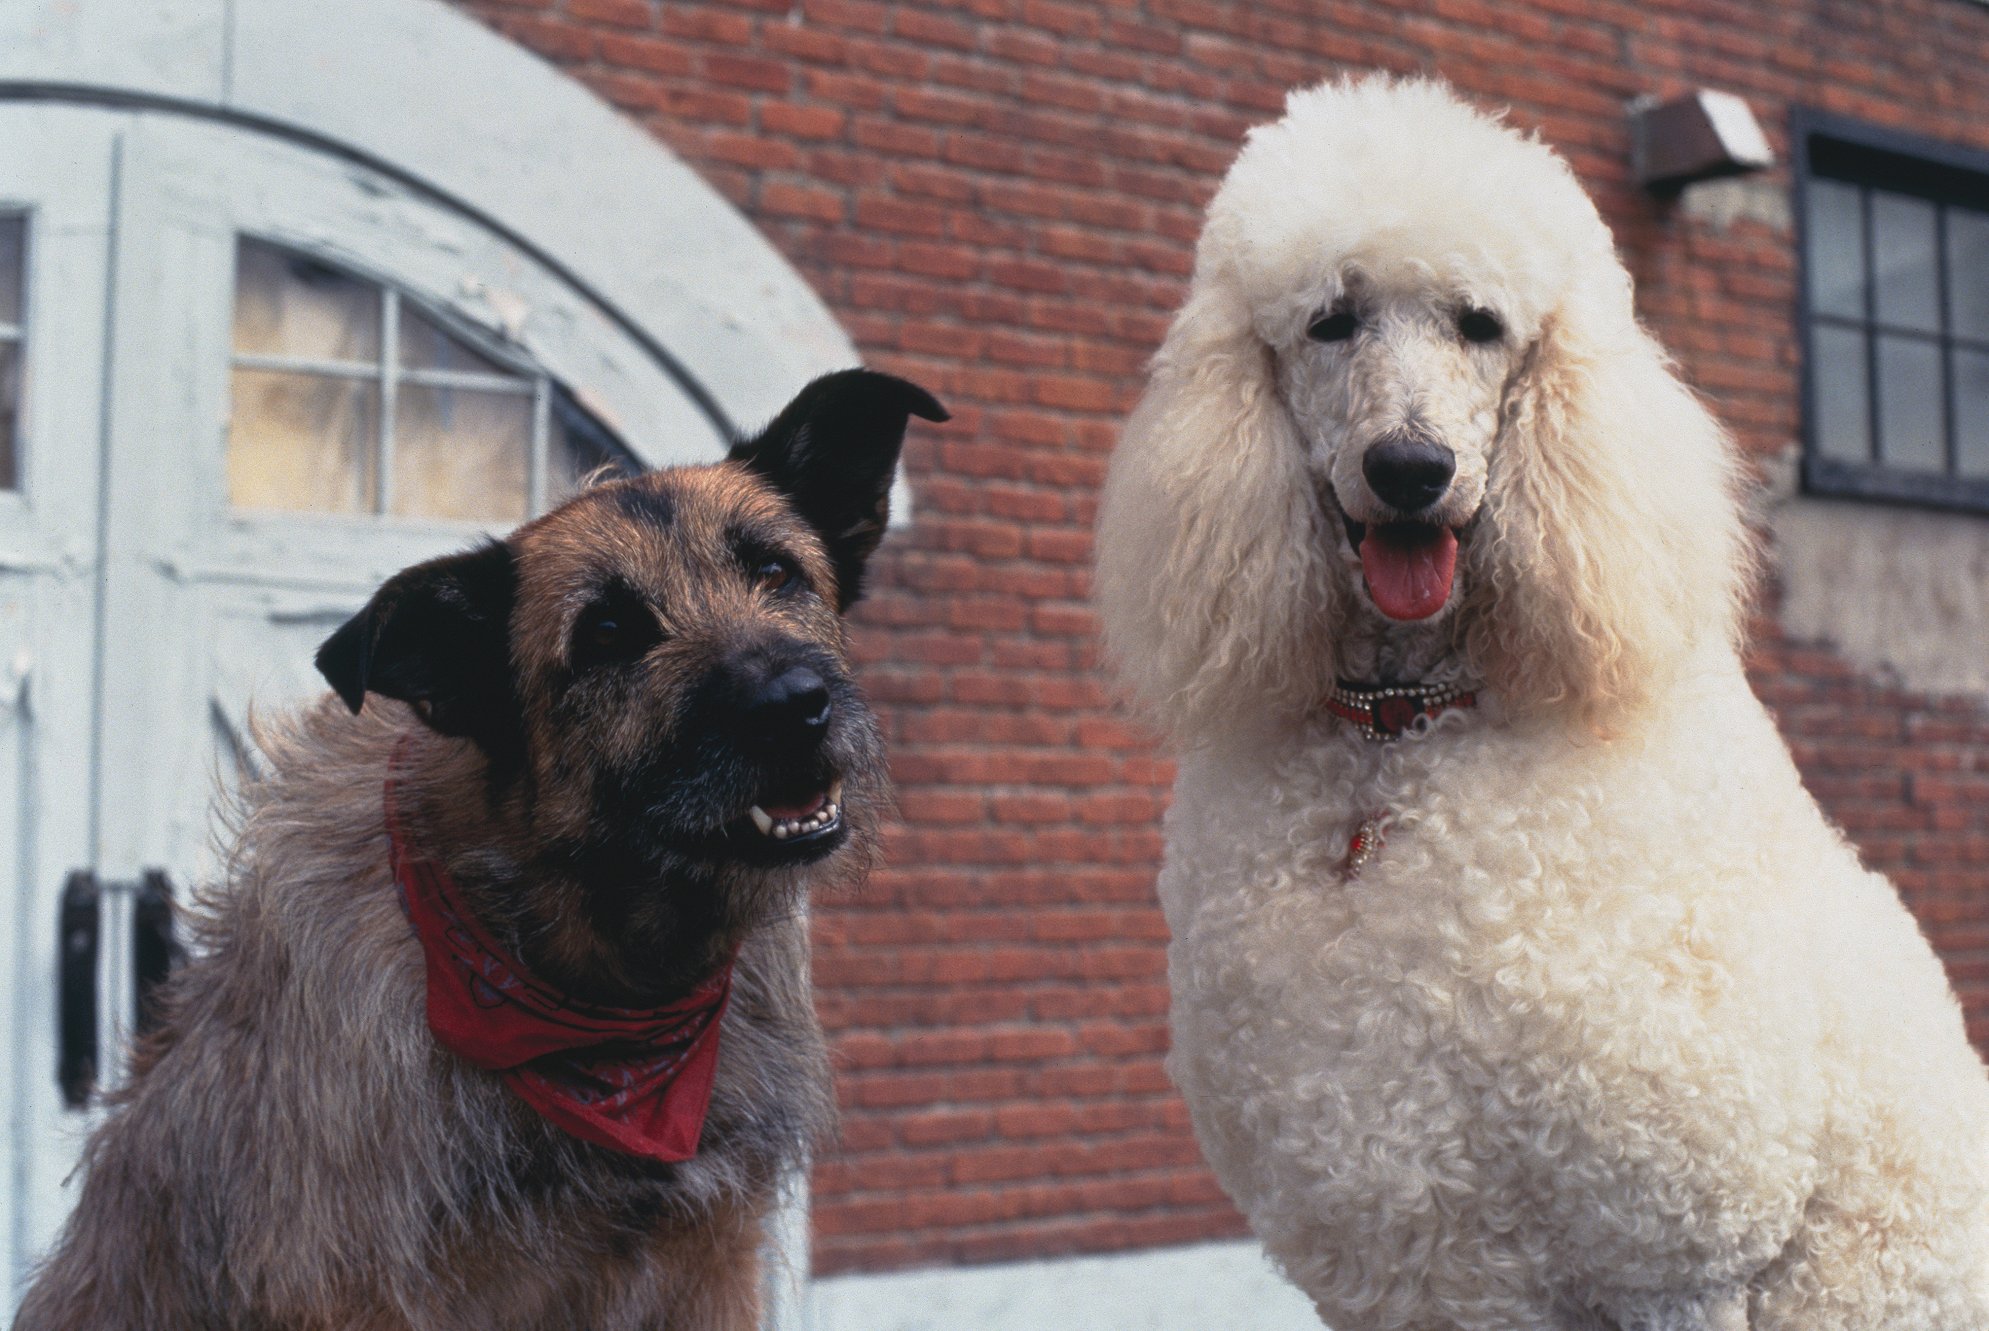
<point x="1408" y="472"/>
<point x="790" y="707"/>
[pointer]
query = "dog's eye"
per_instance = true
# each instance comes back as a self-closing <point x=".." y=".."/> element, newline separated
<point x="1333" y="326"/>
<point x="615" y="628"/>
<point x="773" y="575"/>
<point x="1478" y="325"/>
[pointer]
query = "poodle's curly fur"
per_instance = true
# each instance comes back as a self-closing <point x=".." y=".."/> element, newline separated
<point x="1614" y="1031"/>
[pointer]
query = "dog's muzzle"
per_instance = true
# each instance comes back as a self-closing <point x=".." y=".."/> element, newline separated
<point x="1409" y="563"/>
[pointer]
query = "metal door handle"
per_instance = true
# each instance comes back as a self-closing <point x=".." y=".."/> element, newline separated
<point x="154" y="949"/>
<point x="76" y="979"/>
<point x="154" y="953"/>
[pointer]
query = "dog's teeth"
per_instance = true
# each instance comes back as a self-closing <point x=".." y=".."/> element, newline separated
<point x="780" y="829"/>
<point x="835" y="793"/>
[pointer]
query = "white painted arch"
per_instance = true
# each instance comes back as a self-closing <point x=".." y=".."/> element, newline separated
<point x="419" y="92"/>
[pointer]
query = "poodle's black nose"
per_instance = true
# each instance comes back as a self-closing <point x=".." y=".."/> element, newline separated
<point x="1408" y="471"/>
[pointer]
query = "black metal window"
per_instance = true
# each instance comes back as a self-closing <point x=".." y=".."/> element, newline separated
<point x="1895" y="315"/>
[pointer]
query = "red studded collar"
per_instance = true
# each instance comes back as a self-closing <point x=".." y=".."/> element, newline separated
<point x="1387" y="713"/>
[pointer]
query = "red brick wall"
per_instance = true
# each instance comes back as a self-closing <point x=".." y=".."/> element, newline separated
<point x="999" y="198"/>
<point x="1907" y="778"/>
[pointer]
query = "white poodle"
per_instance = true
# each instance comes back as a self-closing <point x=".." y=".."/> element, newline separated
<point x="1566" y="1008"/>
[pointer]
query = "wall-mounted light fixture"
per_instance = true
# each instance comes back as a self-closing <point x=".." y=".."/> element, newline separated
<point x="1699" y="136"/>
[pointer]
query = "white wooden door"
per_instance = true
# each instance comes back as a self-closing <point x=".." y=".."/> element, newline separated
<point x="224" y="453"/>
<point x="56" y="201"/>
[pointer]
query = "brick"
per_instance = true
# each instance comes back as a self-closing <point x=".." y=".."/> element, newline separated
<point x="931" y="30"/>
<point x="753" y="151"/>
<point x="899" y="215"/>
<point x="708" y="25"/>
<point x="782" y="199"/>
<point x="785" y="120"/>
<point x="946" y="1127"/>
<point x="551" y="38"/>
<point x="649" y="54"/>
<point x="614" y="13"/>
<point x="704" y="105"/>
<point x="861" y="15"/>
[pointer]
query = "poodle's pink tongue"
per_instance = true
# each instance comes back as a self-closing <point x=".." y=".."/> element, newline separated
<point x="1409" y="566"/>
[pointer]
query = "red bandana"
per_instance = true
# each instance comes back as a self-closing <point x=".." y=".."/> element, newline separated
<point x="633" y="1080"/>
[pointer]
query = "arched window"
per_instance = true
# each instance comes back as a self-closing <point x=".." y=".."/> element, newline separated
<point x="350" y="397"/>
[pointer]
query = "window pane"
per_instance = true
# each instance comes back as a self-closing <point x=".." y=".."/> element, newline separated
<point x="287" y="304"/>
<point x="425" y="345"/>
<point x="580" y="446"/>
<point x="10" y="411"/>
<point x="302" y="441"/>
<point x="460" y="454"/>
<point x="1843" y="412"/>
<point x="1971" y="414"/>
<point x="1968" y="273"/>
<point x="1836" y="259"/>
<point x="1909" y="394"/>
<point x="13" y="239"/>
<point x="1903" y="261"/>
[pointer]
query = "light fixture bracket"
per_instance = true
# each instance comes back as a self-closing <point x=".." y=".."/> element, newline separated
<point x="1701" y="135"/>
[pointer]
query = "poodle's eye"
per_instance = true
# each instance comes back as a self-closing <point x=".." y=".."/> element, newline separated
<point x="1480" y="326"/>
<point x="1333" y="326"/>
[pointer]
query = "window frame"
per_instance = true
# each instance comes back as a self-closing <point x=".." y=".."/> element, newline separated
<point x="1944" y="174"/>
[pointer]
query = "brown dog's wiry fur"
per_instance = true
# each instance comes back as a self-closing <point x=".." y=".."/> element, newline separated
<point x="578" y="721"/>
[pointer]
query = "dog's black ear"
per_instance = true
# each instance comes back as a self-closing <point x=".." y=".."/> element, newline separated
<point x="437" y="635"/>
<point x="832" y="451"/>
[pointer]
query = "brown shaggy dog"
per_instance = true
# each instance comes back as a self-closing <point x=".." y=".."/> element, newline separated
<point x="628" y="738"/>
